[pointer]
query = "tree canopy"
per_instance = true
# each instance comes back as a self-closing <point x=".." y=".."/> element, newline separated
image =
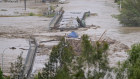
<point x="130" y="69"/>
<point x="130" y="13"/>
<point x="71" y="66"/>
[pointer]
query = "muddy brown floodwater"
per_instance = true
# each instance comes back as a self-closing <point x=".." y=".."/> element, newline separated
<point x="105" y="9"/>
<point x="38" y="26"/>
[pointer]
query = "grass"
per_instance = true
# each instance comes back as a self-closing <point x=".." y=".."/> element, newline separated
<point x="31" y="14"/>
<point x="115" y="16"/>
<point x="51" y="15"/>
<point x="3" y="10"/>
<point x="28" y="14"/>
<point x="7" y="16"/>
<point x="39" y="15"/>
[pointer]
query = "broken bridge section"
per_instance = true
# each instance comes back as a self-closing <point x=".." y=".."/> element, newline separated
<point x="27" y="68"/>
<point x="68" y="20"/>
<point x="56" y="19"/>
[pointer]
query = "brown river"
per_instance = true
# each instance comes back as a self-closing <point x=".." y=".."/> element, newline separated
<point x="105" y="9"/>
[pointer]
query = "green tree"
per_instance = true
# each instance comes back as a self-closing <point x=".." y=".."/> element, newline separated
<point x="95" y="55"/>
<point x="63" y="54"/>
<point x="38" y="76"/>
<point x="116" y="0"/>
<point x="131" y="67"/>
<point x="71" y="66"/>
<point x="16" y="67"/>
<point x="79" y="74"/>
<point x="87" y="49"/>
<point x="63" y="73"/>
<point x="130" y="13"/>
<point x="1" y="74"/>
<point x="134" y="62"/>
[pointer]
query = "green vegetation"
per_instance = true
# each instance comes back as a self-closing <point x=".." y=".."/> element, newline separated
<point x="3" y="10"/>
<point x="8" y="16"/>
<point x="63" y="73"/>
<point x="16" y="67"/>
<point x="1" y="74"/>
<point x="39" y="14"/>
<point x="62" y="54"/>
<point x="130" y="69"/>
<point x="130" y="13"/>
<point x="72" y="66"/>
<point x="52" y="7"/>
<point x="51" y="15"/>
<point x="49" y="12"/>
<point x="95" y="56"/>
<point x="64" y="64"/>
<point x="31" y="14"/>
<point x="117" y="1"/>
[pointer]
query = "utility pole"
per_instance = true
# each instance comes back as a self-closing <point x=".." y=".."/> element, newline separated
<point x="25" y="4"/>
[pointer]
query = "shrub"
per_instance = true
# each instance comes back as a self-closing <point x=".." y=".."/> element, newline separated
<point x="130" y="13"/>
<point x="130" y="69"/>
<point x="31" y="14"/>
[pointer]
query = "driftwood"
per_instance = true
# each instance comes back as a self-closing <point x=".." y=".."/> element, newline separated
<point x="76" y="44"/>
<point x="102" y="35"/>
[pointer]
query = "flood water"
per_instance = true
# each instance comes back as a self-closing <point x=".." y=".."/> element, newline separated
<point x="105" y="9"/>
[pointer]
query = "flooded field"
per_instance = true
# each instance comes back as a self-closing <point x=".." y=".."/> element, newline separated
<point x="13" y="27"/>
<point x="10" y="49"/>
<point x="23" y="24"/>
